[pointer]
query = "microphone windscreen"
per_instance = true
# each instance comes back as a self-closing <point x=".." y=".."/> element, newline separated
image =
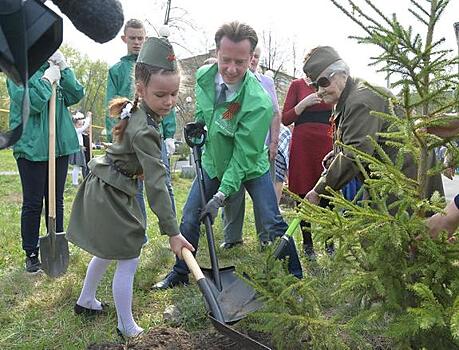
<point x="101" y="20"/>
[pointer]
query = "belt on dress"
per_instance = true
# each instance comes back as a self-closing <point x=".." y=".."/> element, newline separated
<point x="118" y="169"/>
<point x="321" y="117"/>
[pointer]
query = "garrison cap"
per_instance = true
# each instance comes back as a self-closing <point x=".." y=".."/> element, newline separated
<point x="158" y="52"/>
<point x="318" y="59"/>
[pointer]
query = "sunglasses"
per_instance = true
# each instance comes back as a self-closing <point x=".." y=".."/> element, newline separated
<point x="323" y="81"/>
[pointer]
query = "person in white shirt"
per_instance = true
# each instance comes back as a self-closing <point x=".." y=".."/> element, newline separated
<point x="78" y="159"/>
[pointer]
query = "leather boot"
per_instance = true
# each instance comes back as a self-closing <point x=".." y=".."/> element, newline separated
<point x="173" y="279"/>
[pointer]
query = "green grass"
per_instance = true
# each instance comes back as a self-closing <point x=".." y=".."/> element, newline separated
<point x="36" y="312"/>
<point x="7" y="161"/>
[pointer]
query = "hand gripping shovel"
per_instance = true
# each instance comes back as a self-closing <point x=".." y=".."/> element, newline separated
<point x="228" y="297"/>
<point x="54" y="249"/>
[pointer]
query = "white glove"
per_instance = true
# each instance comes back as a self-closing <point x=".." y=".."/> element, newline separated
<point x="52" y="74"/>
<point x="59" y="59"/>
<point x="170" y="146"/>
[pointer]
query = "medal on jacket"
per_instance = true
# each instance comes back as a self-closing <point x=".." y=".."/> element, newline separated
<point x="232" y="109"/>
<point x="332" y="127"/>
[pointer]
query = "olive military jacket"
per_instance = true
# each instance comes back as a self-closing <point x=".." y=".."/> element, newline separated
<point x="235" y="148"/>
<point x="354" y="123"/>
<point x="120" y="83"/>
<point x="33" y="144"/>
<point x="139" y="152"/>
<point x="106" y="219"/>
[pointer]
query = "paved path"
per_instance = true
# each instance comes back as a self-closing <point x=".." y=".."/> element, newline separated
<point x="177" y="166"/>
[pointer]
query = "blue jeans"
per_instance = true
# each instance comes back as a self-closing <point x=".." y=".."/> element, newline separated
<point x="351" y="188"/>
<point x="264" y="200"/>
<point x="233" y="214"/>
<point x="139" y="195"/>
<point x="233" y="218"/>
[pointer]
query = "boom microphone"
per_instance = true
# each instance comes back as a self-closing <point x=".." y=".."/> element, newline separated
<point x="101" y="20"/>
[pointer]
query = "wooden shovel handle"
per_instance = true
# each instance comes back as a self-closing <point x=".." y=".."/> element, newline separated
<point x="192" y="264"/>
<point x="204" y="285"/>
<point x="52" y="155"/>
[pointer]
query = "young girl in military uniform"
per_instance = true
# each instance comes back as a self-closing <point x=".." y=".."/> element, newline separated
<point x="106" y="219"/>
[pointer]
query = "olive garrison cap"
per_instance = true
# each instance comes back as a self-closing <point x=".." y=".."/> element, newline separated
<point x="318" y="59"/>
<point x="158" y="52"/>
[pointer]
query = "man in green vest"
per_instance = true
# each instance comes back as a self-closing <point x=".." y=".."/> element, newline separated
<point x="120" y="84"/>
<point x="237" y="112"/>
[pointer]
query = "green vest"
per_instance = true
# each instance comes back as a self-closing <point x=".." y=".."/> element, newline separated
<point x="33" y="144"/>
<point x="119" y="84"/>
<point x="235" y="148"/>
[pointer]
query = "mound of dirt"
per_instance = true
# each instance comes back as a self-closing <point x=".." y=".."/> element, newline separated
<point x="168" y="338"/>
<point x="161" y="338"/>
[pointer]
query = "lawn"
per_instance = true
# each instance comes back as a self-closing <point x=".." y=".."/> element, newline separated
<point x="36" y="312"/>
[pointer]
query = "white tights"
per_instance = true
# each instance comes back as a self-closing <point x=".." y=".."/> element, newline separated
<point x="123" y="281"/>
<point x="75" y="173"/>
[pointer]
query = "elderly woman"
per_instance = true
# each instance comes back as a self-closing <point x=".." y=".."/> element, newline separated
<point x="352" y="122"/>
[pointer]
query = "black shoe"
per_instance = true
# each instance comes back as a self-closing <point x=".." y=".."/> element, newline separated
<point x="226" y="245"/>
<point x="81" y="310"/>
<point x="33" y="264"/>
<point x="309" y="252"/>
<point x="173" y="279"/>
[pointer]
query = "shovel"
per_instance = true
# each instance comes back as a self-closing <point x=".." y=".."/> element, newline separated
<point x="284" y="240"/>
<point x="229" y="298"/>
<point x="54" y="249"/>
<point x="216" y="314"/>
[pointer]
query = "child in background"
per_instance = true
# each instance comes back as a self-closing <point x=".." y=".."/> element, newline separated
<point x="78" y="159"/>
<point x="106" y="218"/>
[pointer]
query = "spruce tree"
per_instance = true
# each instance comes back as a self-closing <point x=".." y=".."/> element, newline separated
<point x="389" y="284"/>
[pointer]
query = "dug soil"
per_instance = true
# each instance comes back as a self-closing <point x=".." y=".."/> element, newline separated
<point x="169" y="338"/>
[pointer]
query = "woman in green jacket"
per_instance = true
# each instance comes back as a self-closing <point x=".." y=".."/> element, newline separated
<point x="31" y="151"/>
<point x="106" y="218"/>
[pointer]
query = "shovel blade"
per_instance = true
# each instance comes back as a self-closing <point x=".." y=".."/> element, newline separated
<point x="54" y="254"/>
<point x="244" y="340"/>
<point x="237" y="298"/>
